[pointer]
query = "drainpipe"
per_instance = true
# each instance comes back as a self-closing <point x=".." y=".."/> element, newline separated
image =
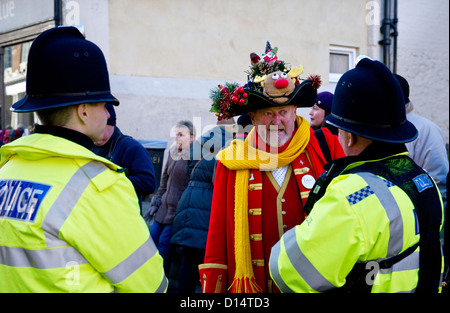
<point x="395" y="34"/>
<point x="389" y="29"/>
<point x="58" y="12"/>
<point x="2" y="89"/>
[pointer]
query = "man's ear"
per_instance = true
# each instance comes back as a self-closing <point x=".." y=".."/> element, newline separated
<point x="82" y="112"/>
<point x="252" y="115"/>
<point x="349" y="139"/>
<point x="352" y="139"/>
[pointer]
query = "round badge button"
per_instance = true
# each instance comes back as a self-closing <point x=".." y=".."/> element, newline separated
<point x="308" y="181"/>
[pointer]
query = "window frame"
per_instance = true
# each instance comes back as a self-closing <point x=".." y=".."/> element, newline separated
<point x="348" y="51"/>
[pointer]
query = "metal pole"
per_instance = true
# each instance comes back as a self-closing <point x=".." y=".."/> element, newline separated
<point x="395" y="34"/>
<point x="58" y="12"/>
<point x="385" y="30"/>
<point x="2" y="89"/>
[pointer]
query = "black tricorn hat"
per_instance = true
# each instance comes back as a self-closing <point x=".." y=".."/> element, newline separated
<point x="304" y="95"/>
<point x="284" y="88"/>
<point x="64" y="69"/>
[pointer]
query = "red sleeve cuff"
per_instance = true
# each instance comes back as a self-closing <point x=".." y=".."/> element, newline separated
<point x="213" y="277"/>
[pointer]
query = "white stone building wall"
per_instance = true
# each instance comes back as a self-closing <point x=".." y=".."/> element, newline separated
<point x="165" y="56"/>
<point x="423" y="57"/>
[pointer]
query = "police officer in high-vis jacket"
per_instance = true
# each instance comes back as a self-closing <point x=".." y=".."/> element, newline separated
<point x="69" y="219"/>
<point x="374" y="215"/>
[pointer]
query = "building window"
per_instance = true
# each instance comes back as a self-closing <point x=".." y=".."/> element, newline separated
<point x="342" y="59"/>
<point x="14" y="82"/>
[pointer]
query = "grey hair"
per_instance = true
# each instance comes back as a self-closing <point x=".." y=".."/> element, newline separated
<point x="188" y="125"/>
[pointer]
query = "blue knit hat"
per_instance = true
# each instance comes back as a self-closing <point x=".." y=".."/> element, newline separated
<point x="112" y="114"/>
<point x="368" y="101"/>
<point x="325" y="100"/>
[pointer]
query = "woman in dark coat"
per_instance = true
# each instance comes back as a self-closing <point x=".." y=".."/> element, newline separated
<point x="191" y="223"/>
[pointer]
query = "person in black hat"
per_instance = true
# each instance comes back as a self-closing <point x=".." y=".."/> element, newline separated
<point x="370" y="211"/>
<point x="262" y="182"/>
<point x="127" y="152"/>
<point x="428" y="149"/>
<point x="70" y="219"/>
<point x="245" y="125"/>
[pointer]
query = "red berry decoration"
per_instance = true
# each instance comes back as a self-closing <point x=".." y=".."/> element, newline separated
<point x="245" y="95"/>
<point x="240" y="89"/>
<point x="241" y="102"/>
<point x="235" y="99"/>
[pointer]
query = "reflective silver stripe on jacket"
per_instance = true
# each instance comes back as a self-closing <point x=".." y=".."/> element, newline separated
<point x="273" y="264"/>
<point x="411" y="262"/>
<point x="40" y="259"/>
<point x="301" y="264"/>
<point x="134" y="261"/>
<point x="380" y="187"/>
<point x="163" y="286"/>
<point x="66" y="201"/>
<point x="61" y="254"/>
<point x="377" y="186"/>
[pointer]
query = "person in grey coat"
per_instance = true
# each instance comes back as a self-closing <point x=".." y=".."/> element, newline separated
<point x="173" y="182"/>
<point x="191" y="223"/>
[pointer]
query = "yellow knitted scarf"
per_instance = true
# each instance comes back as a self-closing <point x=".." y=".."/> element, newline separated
<point x="241" y="156"/>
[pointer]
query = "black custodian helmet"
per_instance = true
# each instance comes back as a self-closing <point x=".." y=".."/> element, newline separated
<point x="64" y="69"/>
<point x="368" y="101"/>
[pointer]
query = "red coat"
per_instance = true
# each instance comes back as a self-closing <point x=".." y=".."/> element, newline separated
<point x="282" y="207"/>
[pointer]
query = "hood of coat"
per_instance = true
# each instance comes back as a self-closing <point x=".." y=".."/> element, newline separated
<point x="176" y="154"/>
<point x="217" y="138"/>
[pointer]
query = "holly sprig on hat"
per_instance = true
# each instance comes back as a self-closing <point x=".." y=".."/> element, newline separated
<point x="260" y="68"/>
<point x="264" y="68"/>
<point x="224" y="98"/>
<point x="268" y="64"/>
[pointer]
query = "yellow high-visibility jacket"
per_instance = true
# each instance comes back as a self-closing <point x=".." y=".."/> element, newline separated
<point x="361" y="218"/>
<point x="70" y="222"/>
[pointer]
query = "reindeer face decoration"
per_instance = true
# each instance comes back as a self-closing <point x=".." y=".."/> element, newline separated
<point x="277" y="80"/>
<point x="279" y="85"/>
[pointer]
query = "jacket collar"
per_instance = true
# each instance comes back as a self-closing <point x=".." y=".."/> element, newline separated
<point x="43" y="145"/>
<point x="376" y="151"/>
<point x="65" y="133"/>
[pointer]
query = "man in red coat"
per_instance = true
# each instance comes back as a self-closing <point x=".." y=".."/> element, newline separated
<point x="262" y="183"/>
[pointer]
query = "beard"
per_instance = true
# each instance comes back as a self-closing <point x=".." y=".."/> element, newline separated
<point x="274" y="136"/>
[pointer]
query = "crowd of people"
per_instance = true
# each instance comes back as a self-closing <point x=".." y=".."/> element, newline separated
<point x="9" y="134"/>
<point x="272" y="203"/>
